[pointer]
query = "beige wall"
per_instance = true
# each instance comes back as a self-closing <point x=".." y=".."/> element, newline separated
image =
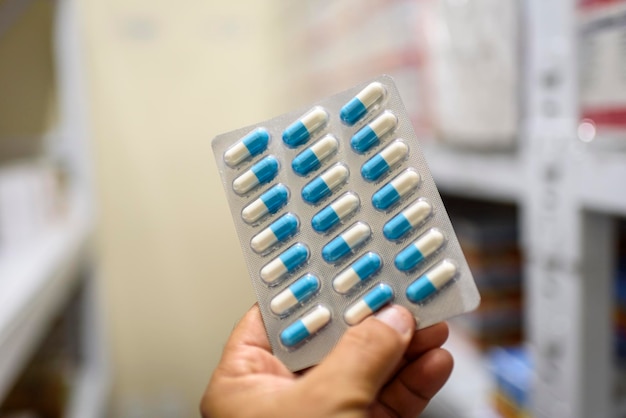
<point x="164" y="78"/>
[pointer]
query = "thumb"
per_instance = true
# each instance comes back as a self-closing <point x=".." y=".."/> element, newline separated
<point x="366" y="355"/>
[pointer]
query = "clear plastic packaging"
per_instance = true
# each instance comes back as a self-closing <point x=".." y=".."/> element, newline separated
<point x="338" y="216"/>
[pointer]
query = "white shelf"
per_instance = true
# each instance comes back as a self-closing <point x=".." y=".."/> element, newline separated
<point x="601" y="185"/>
<point x="494" y="176"/>
<point x="34" y="283"/>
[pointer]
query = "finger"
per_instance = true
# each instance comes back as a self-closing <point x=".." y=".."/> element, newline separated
<point x="250" y="331"/>
<point x="426" y="339"/>
<point x="410" y="391"/>
<point x="248" y="350"/>
<point x="423" y="340"/>
<point x="365" y="357"/>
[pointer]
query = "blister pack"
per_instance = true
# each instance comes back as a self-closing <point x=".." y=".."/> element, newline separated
<point x="338" y="216"/>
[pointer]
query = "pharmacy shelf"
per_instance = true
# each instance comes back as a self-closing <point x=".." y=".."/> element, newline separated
<point x="34" y="284"/>
<point x="494" y="176"/>
<point x="601" y="186"/>
<point x="467" y="392"/>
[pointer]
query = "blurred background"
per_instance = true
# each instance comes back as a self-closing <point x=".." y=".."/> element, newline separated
<point x="120" y="272"/>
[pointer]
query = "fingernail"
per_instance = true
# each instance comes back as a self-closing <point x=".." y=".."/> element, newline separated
<point x="395" y="319"/>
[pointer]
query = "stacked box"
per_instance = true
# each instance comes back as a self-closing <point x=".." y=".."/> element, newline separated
<point x="489" y="237"/>
<point x="512" y="371"/>
<point x="620" y="298"/>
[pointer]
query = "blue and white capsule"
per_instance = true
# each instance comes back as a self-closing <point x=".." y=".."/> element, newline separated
<point x="287" y="262"/>
<point x="346" y="242"/>
<point x="298" y="292"/>
<point x="279" y="231"/>
<point x="269" y="202"/>
<point x="407" y="220"/>
<point x="423" y="247"/>
<point x="336" y="212"/>
<point x="325" y="184"/>
<point x="262" y="172"/>
<point x="431" y="282"/>
<point x="372" y="133"/>
<point x="250" y="145"/>
<point x="360" y="271"/>
<point x="384" y="161"/>
<point x="305" y="327"/>
<point x="313" y="157"/>
<point x="370" y="303"/>
<point x="301" y="130"/>
<point x="396" y="189"/>
<point x="356" y="108"/>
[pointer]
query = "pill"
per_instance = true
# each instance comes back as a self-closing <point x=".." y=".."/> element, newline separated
<point x="419" y="250"/>
<point x="334" y="213"/>
<point x="396" y="189"/>
<point x="384" y="160"/>
<point x="285" y="263"/>
<point x="430" y="282"/>
<point x="358" y="272"/>
<point x="280" y="230"/>
<point x="408" y="219"/>
<point x="301" y="130"/>
<point x="346" y="242"/>
<point x="356" y="108"/>
<point x="262" y="172"/>
<point x="371" y="302"/>
<point x="312" y="158"/>
<point x="324" y="184"/>
<point x="306" y="326"/>
<point x="250" y="145"/>
<point x="372" y="133"/>
<point x="298" y="292"/>
<point x="269" y="202"/>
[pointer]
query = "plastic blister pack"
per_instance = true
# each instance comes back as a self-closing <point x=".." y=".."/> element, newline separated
<point x="338" y="216"/>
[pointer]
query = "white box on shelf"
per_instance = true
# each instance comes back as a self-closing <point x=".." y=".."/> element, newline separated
<point x="472" y="60"/>
<point x="602" y="59"/>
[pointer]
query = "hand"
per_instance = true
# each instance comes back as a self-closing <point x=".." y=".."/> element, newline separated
<point x="380" y="368"/>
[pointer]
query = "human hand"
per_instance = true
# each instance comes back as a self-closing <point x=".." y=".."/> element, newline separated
<point x="380" y="368"/>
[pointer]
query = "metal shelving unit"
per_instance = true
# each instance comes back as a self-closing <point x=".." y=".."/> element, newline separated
<point x="37" y="280"/>
<point x="569" y="192"/>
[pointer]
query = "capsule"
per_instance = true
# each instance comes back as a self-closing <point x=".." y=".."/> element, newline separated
<point x="361" y="270"/>
<point x="262" y="172"/>
<point x="334" y="213"/>
<point x="382" y="162"/>
<point x="356" y="108"/>
<point x="419" y="250"/>
<point x="430" y="282"/>
<point x="298" y="292"/>
<point x="269" y="202"/>
<point x="285" y="263"/>
<point x="250" y="145"/>
<point x="280" y="230"/>
<point x="372" y="133"/>
<point x="396" y="189"/>
<point x="323" y="185"/>
<point x="349" y="240"/>
<point x="312" y="158"/>
<point x="371" y="302"/>
<point x="306" y="326"/>
<point x="301" y="130"/>
<point x="407" y="220"/>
